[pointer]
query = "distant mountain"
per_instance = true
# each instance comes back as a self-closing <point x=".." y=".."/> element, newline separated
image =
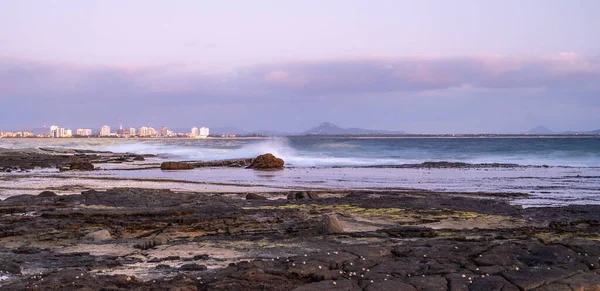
<point x="327" y="128"/>
<point x="540" y="130"/>
<point x="597" y="131"/>
<point x="544" y="130"/>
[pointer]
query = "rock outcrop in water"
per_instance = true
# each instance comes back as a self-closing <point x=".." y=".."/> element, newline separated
<point x="14" y="160"/>
<point x="81" y="166"/>
<point x="267" y="162"/>
<point x="175" y="166"/>
<point x="233" y="163"/>
<point x="139" y="158"/>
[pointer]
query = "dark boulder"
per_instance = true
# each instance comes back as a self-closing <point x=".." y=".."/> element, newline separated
<point x="175" y="166"/>
<point x="254" y="196"/>
<point x="47" y="194"/>
<point x="193" y="267"/>
<point x="302" y="195"/>
<point x="330" y="224"/>
<point x="266" y="162"/>
<point x="139" y="158"/>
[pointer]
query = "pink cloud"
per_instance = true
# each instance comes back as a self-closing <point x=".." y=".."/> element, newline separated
<point x="385" y="74"/>
<point x="276" y="76"/>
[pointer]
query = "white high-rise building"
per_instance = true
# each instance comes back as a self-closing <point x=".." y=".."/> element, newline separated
<point x="84" y="132"/>
<point x="105" y="131"/>
<point x="57" y="131"/>
<point x="142" y="131"/>
<point x="152" y="131"/>
<point x="195" y="132"/>
<point x="131" y="131"/>
<point x="204" y="132"/>
<point x="54" y="131"/>
<point x="164" y="131"/>
<point x="146" y="131"/>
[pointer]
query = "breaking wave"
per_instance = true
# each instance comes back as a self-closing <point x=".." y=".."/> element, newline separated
<point x="348" y="152"/>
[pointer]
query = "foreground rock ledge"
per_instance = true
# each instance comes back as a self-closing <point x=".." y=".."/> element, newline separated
<point x="147" y="239"/>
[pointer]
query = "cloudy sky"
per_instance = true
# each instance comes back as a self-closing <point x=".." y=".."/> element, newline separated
<point x="418" y="66"/>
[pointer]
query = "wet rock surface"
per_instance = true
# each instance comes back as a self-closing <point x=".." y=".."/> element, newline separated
<point x="386" y="240"/>
<point x="234" y="163"/>
<point x="47" y="194"/>
<point x="20" y="160"/>
<point x="254" y="196"/>
<point x="266" y="162"/>
<point x="81" y="166"/>
<point x="302" y="195"/>
<point x="176" y="166"/>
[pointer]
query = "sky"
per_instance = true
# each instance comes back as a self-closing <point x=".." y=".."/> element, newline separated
<point x="418" y="66"/>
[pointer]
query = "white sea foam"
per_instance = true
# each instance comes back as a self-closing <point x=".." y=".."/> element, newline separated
<point x="338" y="154"/>
<point x="324" y="152"/>
<point x="280" y="147"/>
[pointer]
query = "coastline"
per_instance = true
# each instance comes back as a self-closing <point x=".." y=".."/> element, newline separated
<point x="279" y="230"/>
<point x="378" y="136"/>
<point x="544" y="185"/>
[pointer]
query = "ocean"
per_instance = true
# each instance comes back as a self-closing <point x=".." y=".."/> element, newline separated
<point x="351" y="152"/>
<point x="552" y="171"/>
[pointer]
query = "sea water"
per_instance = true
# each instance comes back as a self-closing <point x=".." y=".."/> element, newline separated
<point x="351" y="152"/>
<point x="554" y="171"/>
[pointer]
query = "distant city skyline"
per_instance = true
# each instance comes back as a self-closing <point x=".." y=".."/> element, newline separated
<point x="464" y="66"/>
<point x="324" y="128"/>
<point x="56" y="131"/>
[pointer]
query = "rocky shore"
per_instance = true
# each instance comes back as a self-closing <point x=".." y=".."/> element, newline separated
<point x="160" y="239"/>
<point x="143" y="239"/>
<point x="23" y="160"/>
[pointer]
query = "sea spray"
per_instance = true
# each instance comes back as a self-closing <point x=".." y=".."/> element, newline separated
<point x="349" y="152"/>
